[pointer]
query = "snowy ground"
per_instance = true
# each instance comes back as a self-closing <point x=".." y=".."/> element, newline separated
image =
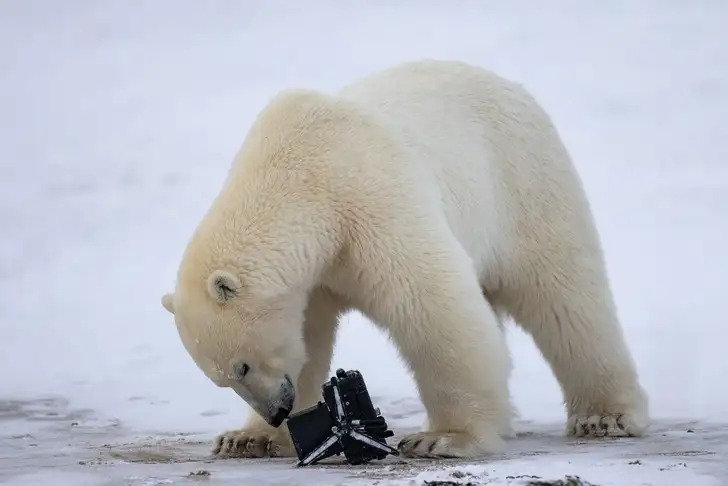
<point x="118" y="121"/>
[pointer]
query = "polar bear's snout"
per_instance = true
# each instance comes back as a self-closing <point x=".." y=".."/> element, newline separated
<point x="271" y="399"/>
<point x="283" y="404"/>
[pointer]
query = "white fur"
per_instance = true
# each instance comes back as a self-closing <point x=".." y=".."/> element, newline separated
<point x="436" y="198"/>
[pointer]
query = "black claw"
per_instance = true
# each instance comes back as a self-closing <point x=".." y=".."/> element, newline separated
<point x="432" y="446"/>
<point x="244" y="444"/>
<point x="402" y="443"/>
<point x="417" y="443"/>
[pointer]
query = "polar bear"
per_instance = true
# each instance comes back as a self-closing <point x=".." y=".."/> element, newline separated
<point x="433" y="197"/>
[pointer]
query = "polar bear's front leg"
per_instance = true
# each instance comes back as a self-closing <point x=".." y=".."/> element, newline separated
<point x="259" y="439"/>
<point x="449" y="336"/>
<point x="321" y="324"/>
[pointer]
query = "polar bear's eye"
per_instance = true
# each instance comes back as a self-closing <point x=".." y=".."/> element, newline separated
<point x="240" y="370"/>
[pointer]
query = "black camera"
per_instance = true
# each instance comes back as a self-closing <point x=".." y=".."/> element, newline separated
<point x="346" y="421"/>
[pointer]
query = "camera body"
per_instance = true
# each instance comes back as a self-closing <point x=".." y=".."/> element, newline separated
<point x="346" y="421"/>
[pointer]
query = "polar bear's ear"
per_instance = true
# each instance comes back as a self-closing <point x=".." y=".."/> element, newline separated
<point x="168" y="303"/>
<point x="222" y="285"/>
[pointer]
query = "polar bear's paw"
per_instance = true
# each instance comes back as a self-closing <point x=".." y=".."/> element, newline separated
<point x="448" y="445"/>
<point x="605" y="425"/>
<point x="252" y="443"/>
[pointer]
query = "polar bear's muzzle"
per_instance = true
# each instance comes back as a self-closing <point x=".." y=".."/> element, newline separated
<point x="281" y="405"/>
<point x="273" y="404"/>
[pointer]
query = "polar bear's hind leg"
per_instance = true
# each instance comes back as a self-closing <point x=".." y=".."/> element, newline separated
<point x="574" y="324"/>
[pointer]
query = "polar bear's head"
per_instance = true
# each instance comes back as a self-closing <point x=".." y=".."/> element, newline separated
<point x="242" y="340"/>
<point x="244" y="280"/>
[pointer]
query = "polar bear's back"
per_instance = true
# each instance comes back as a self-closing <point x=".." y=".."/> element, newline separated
<point x="499" y="165"/>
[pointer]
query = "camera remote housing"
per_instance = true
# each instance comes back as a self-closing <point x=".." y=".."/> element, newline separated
<point x="346" y="421"/>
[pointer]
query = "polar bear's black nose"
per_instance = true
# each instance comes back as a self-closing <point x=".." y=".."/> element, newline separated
<point x="277" y="419"/>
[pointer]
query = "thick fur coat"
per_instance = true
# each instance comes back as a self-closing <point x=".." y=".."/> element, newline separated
<point x="436" y="198"/>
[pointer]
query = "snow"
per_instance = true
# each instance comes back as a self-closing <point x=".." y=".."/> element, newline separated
<point x="118" y="121"/>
